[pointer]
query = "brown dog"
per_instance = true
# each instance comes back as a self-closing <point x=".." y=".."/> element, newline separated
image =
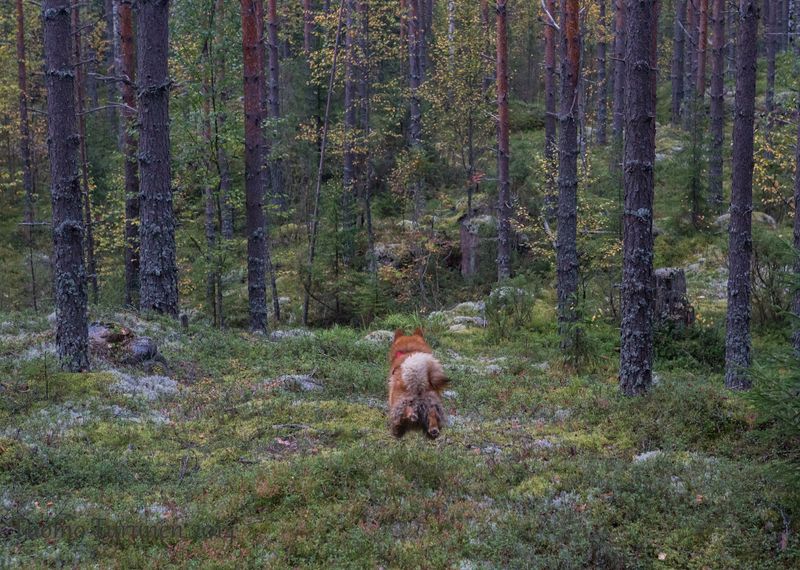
<point x="416" y="381"/>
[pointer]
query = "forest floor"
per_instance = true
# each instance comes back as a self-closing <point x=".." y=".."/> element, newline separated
<point x="222" y="461"/>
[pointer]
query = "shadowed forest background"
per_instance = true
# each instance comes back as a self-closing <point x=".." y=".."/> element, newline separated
<point x="214" y="215"/>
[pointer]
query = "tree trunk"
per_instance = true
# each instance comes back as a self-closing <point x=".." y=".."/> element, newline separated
<point x="210" y="210"/>
<point x="275" y="168"/>
<point x="636" y="292"/>
<point x="125" y="64"/>
<point x="619" y="71"/>
<point x="69" y="271"/>
<point x="80" y="78"/>
<point x="550" y="81"/>
<point x="602" y="97"/>
<point x="308" y="27"/>
<point x="678" y="42"/>
<point x="717" y="95"/>
<point x="254" y="179"/>
<point x="503" y="182"/>
<point x="414" y="80"/>
<point x="692" y="18"/>
<point x="223" y="163"/>
<point x="112" y="87"/>
<point x="364" y="79"/>
<point x="796" y="303"/>
<point x="702" y="41"/>
<point x="158" y="271"/>
<point x="348" y="171"/>
<point x="566" y="247"/>
<point x="28" y="181"/>
<point x="771" y="10"/>
<point x="740" y="241"/>
<point x="732" y="32"/>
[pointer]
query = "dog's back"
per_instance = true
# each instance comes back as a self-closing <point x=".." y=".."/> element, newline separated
<point x="416" y="380"/>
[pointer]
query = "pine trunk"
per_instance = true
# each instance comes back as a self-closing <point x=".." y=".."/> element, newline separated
<point x="126" y="70"/>
<point x="28" y="180"/>
<point x="717" y="95"/>
<point x="348" y="171"/>
<point x="602" y="84"/>
<point x="223" y="163"/>
<point x="637" y="290"/>
<point x="619" y="71"/>
<point x="254" y="180"/>
<point x="771" y="11"/>
<point x="740" y="240"/>
<point x="308" y="27"/>
<point x="678" y="43"/>
<point x="158" y="271"/>
<point x="414" y="80"/>
<point x="566" y="246"/>
<point x="503" y="181"/>
<point x="80" y="78"/>
<point x="702" y="41"/>
<point x="796" y="304"/>
<point x="550" y="81"/>
<point x="69" y="271"/>
<point x="274" y="106"/>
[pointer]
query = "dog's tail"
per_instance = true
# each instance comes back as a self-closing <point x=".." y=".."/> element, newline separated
<point x="436" y="376"/>
<point x="421" y="371"/>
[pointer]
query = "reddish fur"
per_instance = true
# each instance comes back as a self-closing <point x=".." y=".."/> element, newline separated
<point x="407" y="409"/>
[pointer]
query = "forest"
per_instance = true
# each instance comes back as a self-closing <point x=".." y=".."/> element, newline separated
<point x="216" y="214"/>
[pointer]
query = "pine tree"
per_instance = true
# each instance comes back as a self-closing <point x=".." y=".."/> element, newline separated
<point x="503" y="182"/>
<point x="62" y="131"/>
<point x="740" y="240"/>
<point x="637" y="296"/>
<point x="158" y="273"/>
<point x="566" y="246"/>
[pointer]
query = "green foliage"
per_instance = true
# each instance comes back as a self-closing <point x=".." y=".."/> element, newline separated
<point x="772" y="278"/>
<point x="700" y="344"/>
<point x="776" y="400"/>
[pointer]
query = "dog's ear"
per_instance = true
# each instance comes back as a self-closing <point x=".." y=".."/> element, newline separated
<point x="418" y="332"/>
<point x="398" y="333"/>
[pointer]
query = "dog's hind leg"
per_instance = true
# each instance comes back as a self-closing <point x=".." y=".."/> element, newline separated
<point x="433" y="423"/>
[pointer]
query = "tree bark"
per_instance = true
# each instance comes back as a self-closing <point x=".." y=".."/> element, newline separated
<point x="28" y="180"/>
<point x="348" y="171"/>
<point x="717" y="95"/>
<point x="503" y="182"/>
<point x="796" y="304"/>
<point x="678" y="43"/>
<point x="414" y="34"/>
<point x="158" y="270"/>
<point x="69" y="270"/>
<point x="619" y="71"/>
<point x="740" y="241"/>
<point x="125" y="64"/>
<point x="702" y="41"/>
<point x="566" y="246"/>
<point x="308" y="27"/>
<point x="275" y="167"/>
<point x="637" y="290"/>
<point x="254" y="179"/>
<point x="210" y="210"/>
<point x="550" y="81"/>
<point x="771" y="11"/>
<point x="220" y="117"/>
<point x="80" y="78"/>
<point x="602" y="96"/>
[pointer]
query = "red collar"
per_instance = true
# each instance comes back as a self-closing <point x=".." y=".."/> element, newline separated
<point x="400" y="353"/>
